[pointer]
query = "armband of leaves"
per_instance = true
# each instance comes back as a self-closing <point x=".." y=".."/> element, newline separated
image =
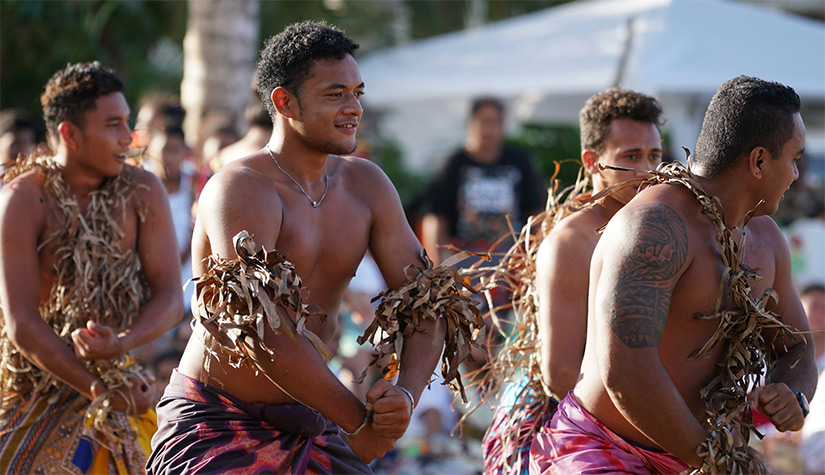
<point x="238" y="298"/>
<point x="441" y="294"/>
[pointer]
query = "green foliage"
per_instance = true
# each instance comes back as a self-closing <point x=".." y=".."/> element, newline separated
<point x="369" y="23"/>
<point x="387" y="154"/>
<point x="434" y="17"/>
<point x="550" y="144"/>
<point x="39" y="37"/>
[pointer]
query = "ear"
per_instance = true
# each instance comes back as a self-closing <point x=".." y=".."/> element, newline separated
<point x="756" y="161"/>
<point x="284" y="102"/>
<point x="69" y="133"/>
<point x="590" y="161"/>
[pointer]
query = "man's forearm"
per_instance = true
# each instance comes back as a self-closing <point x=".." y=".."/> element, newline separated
<point x="159" y="315"/>
<point x="39" y="344"/>
<point x="420" y="356"/>
<point x="298" y="370"/>
<point x="646" y="396"/>
<point x="797" y="369"/>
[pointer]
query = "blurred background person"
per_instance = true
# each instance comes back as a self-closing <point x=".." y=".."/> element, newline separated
<point x="259" y="129"/>
<point x="18" y="134"/>
<point x="479" y="187"/>
<point x="812" y="447"/>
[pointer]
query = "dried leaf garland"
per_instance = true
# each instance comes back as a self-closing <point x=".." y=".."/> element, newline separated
<point x="441" y="294"/>
<point x="518" y="361"/>
<point x="747" y="356"/>
<point x="238" y="298"/>
<point x="95" y="280"/>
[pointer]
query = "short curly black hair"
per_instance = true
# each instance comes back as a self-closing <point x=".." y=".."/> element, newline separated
<point x="614" y="103"/>
<point x="745" y="113"/>
<point x="73" y="91"/>
<point x="287" y="57"/>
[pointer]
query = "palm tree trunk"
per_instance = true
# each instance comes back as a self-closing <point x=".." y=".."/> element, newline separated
<point x="219" y="52"/>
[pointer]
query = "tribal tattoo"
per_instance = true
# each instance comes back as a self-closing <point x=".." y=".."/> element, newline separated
<point x="647" y="275"/>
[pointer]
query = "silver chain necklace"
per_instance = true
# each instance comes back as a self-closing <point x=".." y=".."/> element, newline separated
<point x="314" y="203"/>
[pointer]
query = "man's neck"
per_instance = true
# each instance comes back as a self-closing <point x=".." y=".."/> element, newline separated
<point x="303" y="163"/>
<point x="484" y="156"/>
<point x="78" y="180"/>
<point x="735" y="200"/>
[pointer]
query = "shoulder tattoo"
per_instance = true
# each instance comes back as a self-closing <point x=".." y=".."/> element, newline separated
<point x="647" y="275"/>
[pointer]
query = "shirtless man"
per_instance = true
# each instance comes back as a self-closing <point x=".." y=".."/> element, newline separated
<point x="323" y="212"/>
<point x="620" y="128"/>
<point x="637" y="406"/>
<point x="61" y="335"/>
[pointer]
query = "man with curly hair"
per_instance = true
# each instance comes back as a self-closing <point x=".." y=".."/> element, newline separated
<point x="669" y="287"/>
<point x="88" y="272"/>
<point x="322" y="211"/>
<point x="618" y="128"/>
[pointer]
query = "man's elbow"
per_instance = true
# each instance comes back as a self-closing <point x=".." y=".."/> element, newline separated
<point x="618" y="382"/>
<point x="21" y="334"/>
<point x="561" y="378"/>
<point x="177" y="308"/>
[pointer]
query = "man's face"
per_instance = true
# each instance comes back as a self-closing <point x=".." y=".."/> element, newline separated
<point x="166" y="151"/>
<point x="329" y="106"/>
<point x="104" y="139"/>
<point x="486" y="127"/>
<point x="629" y="144"/>
<point x="782" y="170"/>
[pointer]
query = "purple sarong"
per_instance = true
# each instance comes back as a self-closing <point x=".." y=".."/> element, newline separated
<point x="204" y="430"/>
<point x="575" y="442"/>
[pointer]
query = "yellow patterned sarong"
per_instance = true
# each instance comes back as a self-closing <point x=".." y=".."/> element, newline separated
<point x="52" y="434"/>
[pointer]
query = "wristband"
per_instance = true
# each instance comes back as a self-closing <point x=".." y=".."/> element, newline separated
<point x="409" y="395"/>
<point x="94" y="385"/>
<point x="357" y="430"/>
<point x="803" y="403"/>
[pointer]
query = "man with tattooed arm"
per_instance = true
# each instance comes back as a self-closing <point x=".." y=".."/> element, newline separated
<point x="638" y="405"/>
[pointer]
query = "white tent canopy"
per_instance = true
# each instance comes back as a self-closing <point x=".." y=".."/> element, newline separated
<point x="547" y="63"/>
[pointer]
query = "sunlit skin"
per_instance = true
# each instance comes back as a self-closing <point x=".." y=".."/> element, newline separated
<point x="87" y="154"/>
<point x="622" y="369"/>
<point x="361" y="211"/>
<point x="563" y="261"/>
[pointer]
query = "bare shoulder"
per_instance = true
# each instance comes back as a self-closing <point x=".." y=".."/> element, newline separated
<point x="364" y="180"/>
<point x="665" y="213"/>
<point x="24" y="195"/>
<point x="239" y="197"/>
<point x="149" y="186"/>
<point x="575" y="236"/>
<point x="764" y="227"/>
<point x="673" y="195"/>
<point x="240" y="182"/>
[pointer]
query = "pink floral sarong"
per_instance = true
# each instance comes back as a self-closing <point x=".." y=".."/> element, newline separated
<point x="575" y="442"/>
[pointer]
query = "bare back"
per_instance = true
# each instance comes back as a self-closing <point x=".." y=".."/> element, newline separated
<point x="674" y="232"/>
